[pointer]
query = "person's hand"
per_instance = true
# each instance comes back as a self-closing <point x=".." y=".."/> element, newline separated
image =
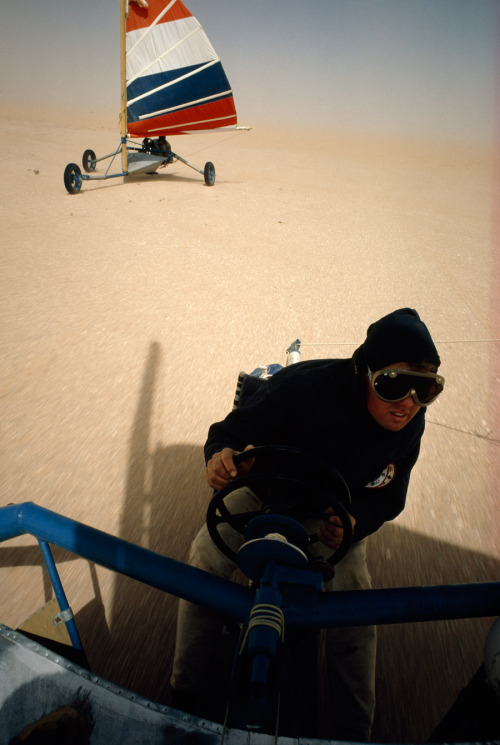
<point x="331" y="532"/>
<point x="221" y="470"/>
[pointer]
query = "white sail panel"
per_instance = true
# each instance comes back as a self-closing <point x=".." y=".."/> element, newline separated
<point x="170" y="46"/>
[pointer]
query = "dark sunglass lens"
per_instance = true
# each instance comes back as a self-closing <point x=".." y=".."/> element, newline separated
<point x="427" y="389"/>
<point x="392" y="388"/>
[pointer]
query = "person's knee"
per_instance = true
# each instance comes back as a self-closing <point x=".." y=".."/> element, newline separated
<point x="204" y="554"/>
<point x="352" y="572"/>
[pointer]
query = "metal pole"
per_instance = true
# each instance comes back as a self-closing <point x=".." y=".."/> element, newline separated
<point x="399" y="605"/>
<point x="123" y="79"/>
<point x="348" y="608"/>
<point x="66" y="612"/>
<point x="186" y="163"/>
<point x="121" y="556"/>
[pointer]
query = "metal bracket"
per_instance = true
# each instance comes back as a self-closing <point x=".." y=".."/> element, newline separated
<point x="63" y="616"/>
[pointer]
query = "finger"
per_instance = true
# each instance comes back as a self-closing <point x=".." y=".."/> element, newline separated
<point x="216" y="473"/>
<point x="217" y="483"/>
<point x="247" y="464"/>
<point x="335" y="520"/>
<point x="333" y="532"/>
<point x="330" y="535"/>
<point x="323" y="533"/>
<point x="211" y="477"/>
<point x="327" y="540"/>
<point x="225" y="466"/>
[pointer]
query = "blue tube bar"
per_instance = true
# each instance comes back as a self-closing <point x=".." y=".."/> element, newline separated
<point x="60" y="594"/>
<point x="353" y="608"/>
<point x="126" y="558"/>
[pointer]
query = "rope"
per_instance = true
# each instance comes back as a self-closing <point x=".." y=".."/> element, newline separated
<point x="356" y="343"/>
<point x="472" y="433"/>
<point x="215" y="144"/>
<point x="230" y="694"/>
<point x="264" y="614"/>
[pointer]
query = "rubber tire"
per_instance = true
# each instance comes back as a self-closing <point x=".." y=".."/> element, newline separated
<point x="73" y="178"/>
<point x="88" y="161"/>
<point x="209" y="174"/>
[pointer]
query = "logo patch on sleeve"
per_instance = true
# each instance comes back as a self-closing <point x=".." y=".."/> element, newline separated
<point x="384" y="479"/>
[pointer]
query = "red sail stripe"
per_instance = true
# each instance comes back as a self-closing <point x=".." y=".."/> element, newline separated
<point x="143" y="17"/>
<point x="186" y="119"/>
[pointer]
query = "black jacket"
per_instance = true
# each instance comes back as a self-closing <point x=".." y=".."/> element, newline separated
<point x="320" y="407"/>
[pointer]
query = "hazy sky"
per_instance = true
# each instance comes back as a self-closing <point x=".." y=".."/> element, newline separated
<point x="429" y="67"/>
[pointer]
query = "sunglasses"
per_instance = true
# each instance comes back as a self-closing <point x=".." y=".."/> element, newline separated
<point x="394" y="384"/>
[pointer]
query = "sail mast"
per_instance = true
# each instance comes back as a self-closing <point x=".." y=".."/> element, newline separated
<point x="123" y="77"/>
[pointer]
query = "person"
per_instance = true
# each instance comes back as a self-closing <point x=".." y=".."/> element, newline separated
<point x="365" y="417"/>
<point x="161" y="143"/>
<point x="158" y="146"/>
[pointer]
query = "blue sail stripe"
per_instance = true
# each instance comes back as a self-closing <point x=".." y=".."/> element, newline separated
<point x="211" y="82"/>
<point x="134" y="114"/>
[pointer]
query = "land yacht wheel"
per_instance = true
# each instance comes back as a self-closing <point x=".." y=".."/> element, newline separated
<point x="209" y="174"/>
<point x="73" y="178"/>
<point x="88" y="161"/>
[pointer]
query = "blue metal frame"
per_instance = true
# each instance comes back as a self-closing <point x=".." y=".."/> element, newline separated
<point x="60" y="595"/>
<point x="126" y="558"/>
<point x="356" y="607"/>
<point x="287" y="596"/>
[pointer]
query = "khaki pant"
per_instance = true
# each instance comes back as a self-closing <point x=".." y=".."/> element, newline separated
<point x="350" y="652"/>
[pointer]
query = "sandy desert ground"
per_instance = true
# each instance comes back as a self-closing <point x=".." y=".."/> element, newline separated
<point x="129" y="309"/>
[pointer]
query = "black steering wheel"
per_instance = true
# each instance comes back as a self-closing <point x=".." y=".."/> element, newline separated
<point x="310" y="504"/>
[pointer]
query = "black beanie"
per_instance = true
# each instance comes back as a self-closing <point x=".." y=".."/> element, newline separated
<point x="398" y="337"/>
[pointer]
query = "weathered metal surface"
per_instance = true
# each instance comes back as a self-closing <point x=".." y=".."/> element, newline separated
<point x="143" y="163"/>
<point x="35" y="682"/>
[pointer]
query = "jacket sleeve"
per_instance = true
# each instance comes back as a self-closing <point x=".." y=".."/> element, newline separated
<point x="258" y="422"/>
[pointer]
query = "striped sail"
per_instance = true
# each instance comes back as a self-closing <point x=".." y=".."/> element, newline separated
<point x="175" y="80"/>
